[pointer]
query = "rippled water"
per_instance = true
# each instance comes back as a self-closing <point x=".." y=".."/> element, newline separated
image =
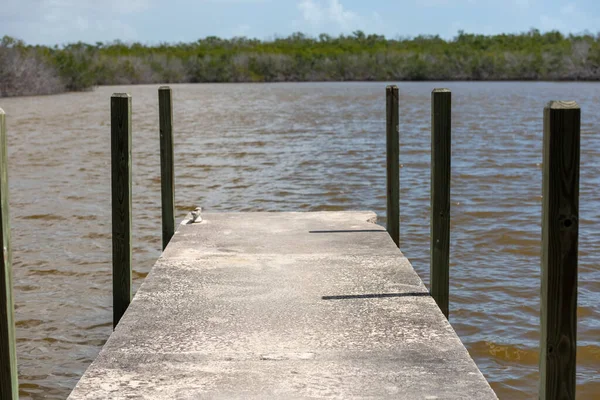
<point x="246" y="147"/>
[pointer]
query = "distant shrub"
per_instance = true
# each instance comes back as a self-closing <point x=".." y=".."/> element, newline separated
<point x="357" y="57"/>
<point x="24" y="71"/>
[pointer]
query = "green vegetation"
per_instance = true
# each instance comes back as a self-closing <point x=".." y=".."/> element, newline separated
<point x="26" y="69"/>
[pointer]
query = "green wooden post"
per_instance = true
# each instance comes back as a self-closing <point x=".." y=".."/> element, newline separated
<point x="560" y="232"/>
<point x="393" y="163"/>
<point x="120" y="107"/>
<point x="167" y="171"/>
<point x="9" y="381"/>
<point x="441" y="107"/>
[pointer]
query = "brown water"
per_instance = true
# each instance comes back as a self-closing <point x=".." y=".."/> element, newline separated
<point x="306" y="147"/>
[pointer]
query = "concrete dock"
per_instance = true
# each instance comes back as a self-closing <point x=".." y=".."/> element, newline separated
<point x="283" y="306"/>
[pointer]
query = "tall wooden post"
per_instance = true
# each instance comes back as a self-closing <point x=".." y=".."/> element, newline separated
<point x="441" y="107"/>
<point x="9" y="384"/>
<point x="167" y="172"/>
<point x="120" y="108"/>
<point x="393" y="163"/>
<point x="560" y="231"/>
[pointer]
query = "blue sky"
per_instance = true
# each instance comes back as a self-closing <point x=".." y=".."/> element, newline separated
<point x="153" y="21"/>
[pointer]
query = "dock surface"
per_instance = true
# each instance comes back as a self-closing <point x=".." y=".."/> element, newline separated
<point x="283" y="306"/>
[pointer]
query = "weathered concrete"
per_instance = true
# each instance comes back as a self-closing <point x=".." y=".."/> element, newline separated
<point x="283" y="306"/>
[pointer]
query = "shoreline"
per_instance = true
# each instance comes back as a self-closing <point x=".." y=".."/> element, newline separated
<point x="558" y="81"/>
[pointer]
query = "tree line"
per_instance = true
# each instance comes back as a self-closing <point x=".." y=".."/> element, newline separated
<point x="34" y="69"/>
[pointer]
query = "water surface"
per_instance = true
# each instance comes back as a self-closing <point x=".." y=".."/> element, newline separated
<point x="297" y="147"/>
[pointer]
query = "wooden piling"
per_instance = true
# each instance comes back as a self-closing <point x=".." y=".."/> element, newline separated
<point x="393" y="163"/>
<point x="167" y="170"/>
<point x="560" y="232"/>
<point x="441" y="107"/>
<point x="9" y="384"/>
<point x="120" y="108"/>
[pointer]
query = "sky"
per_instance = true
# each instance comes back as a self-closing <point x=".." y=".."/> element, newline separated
<point x="153" y="21"/>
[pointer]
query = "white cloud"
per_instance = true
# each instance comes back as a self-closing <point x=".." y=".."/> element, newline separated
<point x="569" y="19"/>
<point x="234" y="1"/>
<point x="328" y="15"/>
<point x="128" y="6"/>
<point x="27" y="7"/>
<point x="568" y="9"/>
<point x="519" y="4"/>
<point x="447" y="3"/>
<point x="524" y="4"/>
<point x="342" y="17"/>
<point x="312" y="12"/>
<point x="55" y="20"/>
